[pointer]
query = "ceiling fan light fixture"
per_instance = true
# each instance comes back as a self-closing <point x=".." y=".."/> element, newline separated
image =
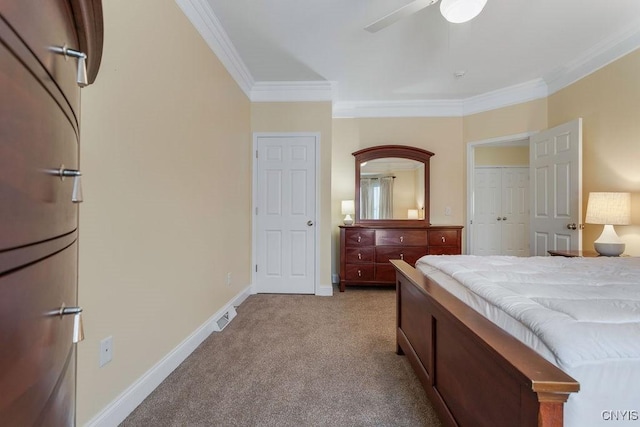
<point x="459" y="11"/>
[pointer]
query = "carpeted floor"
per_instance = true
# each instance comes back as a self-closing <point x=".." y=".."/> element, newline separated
<point x="294" y="360"/>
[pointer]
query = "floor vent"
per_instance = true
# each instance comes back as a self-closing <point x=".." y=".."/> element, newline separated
<point x="224" y="319"/>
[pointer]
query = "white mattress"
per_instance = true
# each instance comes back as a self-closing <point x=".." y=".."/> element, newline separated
<point x="582" y="314"/>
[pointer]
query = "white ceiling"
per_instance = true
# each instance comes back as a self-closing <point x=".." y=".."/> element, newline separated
<point x="514" y="46"/>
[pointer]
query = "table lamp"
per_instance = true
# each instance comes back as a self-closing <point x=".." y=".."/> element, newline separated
<point x="609" y="209"/>
<point x="348" y="209"/>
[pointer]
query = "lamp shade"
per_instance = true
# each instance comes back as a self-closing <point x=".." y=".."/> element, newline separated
<point x="412" y="214"/>
<point x="459" y="11"/>
<point x="348" y="207"/>
<point x="609" y="208"/>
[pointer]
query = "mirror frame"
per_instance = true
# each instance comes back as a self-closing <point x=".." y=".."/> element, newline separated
<point x="397" y="151"/>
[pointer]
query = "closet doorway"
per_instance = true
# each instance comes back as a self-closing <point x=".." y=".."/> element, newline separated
<point x="499" y="198"/>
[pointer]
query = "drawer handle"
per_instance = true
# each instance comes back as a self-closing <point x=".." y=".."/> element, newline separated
<point x="76" y="193"/>
<point x="401" y="239"/>
<point x="443" y="239"/>
<point x="81" y="77"/>
<point x="402" y="257"/>
<point x="359" y="239"/>
<point x="359" y="256"/>
<point x="359" y="273"/>
<point x="78" y="330"/>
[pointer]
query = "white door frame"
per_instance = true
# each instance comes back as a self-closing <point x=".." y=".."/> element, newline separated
<point x="254" y="203"/>
<point x="471" y="164"/>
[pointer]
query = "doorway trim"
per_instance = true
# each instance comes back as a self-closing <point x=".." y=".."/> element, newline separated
<point x="471" y="164"/>
<point x="254" y="205"/>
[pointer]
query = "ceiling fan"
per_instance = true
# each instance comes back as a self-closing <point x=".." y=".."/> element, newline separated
<point x="454" y="11"/>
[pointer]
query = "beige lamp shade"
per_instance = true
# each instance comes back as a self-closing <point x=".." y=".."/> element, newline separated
<point x="412" y="214"/>
<point x="609" y="208"/>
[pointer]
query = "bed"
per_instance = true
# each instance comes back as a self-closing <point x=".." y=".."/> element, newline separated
<point x="506" y="341"/>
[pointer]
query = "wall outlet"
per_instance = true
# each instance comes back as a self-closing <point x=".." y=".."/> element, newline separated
<point x="228" y="279"/>
<point x="447" y="211"/>
<point x="106" y="351"/>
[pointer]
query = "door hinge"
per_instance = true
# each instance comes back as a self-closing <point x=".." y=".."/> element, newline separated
<point x="256" y="154"/>
<point x="256" y="211"/>
<point x="256" y="268"/>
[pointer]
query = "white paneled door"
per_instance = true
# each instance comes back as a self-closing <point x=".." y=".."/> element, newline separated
<point x="501" y="211"/>
<point x="556" y="188"/>
<point x="285" y="213"/>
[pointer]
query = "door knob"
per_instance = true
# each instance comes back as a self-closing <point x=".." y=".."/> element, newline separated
<point x="572" y="226"/>
<point x="504" y="218"/>
<point x="309" y="223"/>
<point x="499" y="219"/>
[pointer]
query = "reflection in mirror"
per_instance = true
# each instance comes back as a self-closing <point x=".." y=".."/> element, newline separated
<point x="392" y="188"/>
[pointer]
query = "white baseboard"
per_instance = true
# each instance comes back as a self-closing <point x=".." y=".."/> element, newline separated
<point x="115" y="412"/>
<point x="325" y="291"/>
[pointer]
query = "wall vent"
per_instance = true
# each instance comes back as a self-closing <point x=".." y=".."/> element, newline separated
<point x="224" y="319"/>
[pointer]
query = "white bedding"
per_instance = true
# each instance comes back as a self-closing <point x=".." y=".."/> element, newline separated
<point x="582" y="314"/>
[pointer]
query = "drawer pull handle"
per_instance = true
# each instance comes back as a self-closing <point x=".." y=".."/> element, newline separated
<point x="402" y="257"/>
<point x="76" y="193"/>
<point x="401" y="239"/>
<point x="359" y="273"/>
<point x="78" y="330"/>
<point x="359" y="256"/>
<point x="359" y="239"/>
<point x="81" y="77"/>
<point x="443" y="239"/>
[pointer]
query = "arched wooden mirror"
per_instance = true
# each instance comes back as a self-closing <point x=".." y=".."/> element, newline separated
<point x="392" y="186"/>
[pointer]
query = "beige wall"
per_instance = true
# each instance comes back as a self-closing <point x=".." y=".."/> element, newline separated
<point x="160" y="226"/>
<point x="502" y="156"/>
<point x="442" y="136"/>
<point x="609" y="103"/>
<point x="305" y="117"/>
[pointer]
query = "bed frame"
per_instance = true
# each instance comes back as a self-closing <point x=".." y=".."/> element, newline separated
<point x="474" y="373"/>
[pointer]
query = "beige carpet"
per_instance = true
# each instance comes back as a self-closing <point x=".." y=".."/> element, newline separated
<point x="294" y="360"/>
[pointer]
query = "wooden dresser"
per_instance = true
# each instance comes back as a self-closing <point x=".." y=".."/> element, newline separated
<point x="42" y="45"/>
<point x="365" y="251"/>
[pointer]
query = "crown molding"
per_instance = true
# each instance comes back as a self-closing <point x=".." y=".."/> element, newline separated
<point x="292" y="91"/>
<point x="516" y="94"/>
<point x="207" y="24"/>
<point x="409" y="108"/>
<point x="596" y="58"/>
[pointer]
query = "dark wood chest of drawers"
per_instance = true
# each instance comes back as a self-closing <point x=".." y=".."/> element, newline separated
<point x="39" y="163"/>
<point x="365" y="251"/>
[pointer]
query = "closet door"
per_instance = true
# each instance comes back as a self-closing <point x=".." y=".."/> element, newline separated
<point x="501" y="211"/>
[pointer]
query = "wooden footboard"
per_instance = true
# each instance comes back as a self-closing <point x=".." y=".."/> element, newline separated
<point x="474" y="373"/>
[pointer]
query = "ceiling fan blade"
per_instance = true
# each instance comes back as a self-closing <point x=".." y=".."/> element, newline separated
<point x="398" y="14"/>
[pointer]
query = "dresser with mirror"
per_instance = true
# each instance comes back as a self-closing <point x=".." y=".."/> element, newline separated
<point x="391" y="216"/>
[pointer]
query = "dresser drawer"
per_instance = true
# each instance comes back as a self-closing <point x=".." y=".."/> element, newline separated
<point x="359" y="255"/>
<point x="443" y="237"/>
<point x="360" y="272"/>
<point x="409" y="254"/>
<point x="399" y="237"/>
<point x="45" y="24"/>
<point x="36" y="349"/>
<point x="385" y="273"/>
<point x="357" y="237"/>
<point x="444" y="250"/>
<point x="37" y="139"/>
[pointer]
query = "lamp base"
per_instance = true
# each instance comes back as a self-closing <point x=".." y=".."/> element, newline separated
<point x="609" y="249"/>
<point x="348" y="220"/>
